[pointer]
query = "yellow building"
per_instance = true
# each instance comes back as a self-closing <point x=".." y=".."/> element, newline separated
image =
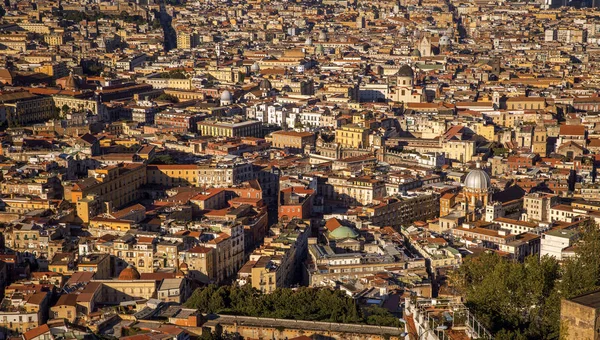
<point x="24" y="205"/>
<point x="526" y="103"/>
<point x="230" y="129"/>
<point x="200" y="263"/>
<point x="173" y="175"/>
<point x="353" y="136"/>
<point x="292" y="139"/>
<point x="99" y="226"/>
<point x="54" y="69"/>
<point x="226" y="74"/>
<point x="114" y="186"/>
<point x="54" y="39"/>
<point x="187" y="40"/>
<point x="62" y="263"/>
<point x="265" y="276"/>
<point x="97" y="263"/>
<point x="459" y="150"/>
<point x="34" y="27"/>
<point x="65" y="308"/>
<point x="486" y="131"/>
<point x="540" y="141"/>
<point x="24" y="108"/>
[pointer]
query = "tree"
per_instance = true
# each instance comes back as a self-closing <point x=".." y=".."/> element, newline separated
<point x="522" y="300"/>
<point x="168" y="98"/>
<point x="301" y="304"/>
<point x="55" y="112"/>
<point x="65" y="109"/>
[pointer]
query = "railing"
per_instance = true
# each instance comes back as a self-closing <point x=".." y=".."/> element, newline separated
<point x="462" y="318"/>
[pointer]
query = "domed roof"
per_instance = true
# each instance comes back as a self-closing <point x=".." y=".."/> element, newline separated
<point x="403" y="30"/>
<point x="322" y="36"/>
<point x="265" y="84"/>
<point x="342" y="233"/>
<point x="71" y="83"/>
<point x="477" y="179"/>
<point x="129" y="274"/>
<point x="255" y="67"/>
<point x="183" y="265"/>
<point x="405" y="71"/>
<point x="226" y="96"/>
<point x="308" y="41"/>
<point x="415" y="53"/>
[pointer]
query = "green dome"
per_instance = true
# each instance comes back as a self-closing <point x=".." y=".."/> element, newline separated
<point x="343" y="232"/>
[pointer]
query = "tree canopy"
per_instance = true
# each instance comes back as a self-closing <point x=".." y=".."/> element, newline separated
<point x="168" y="98"/>
<point x="302" y="304"/>
<point x="522" y="300"/>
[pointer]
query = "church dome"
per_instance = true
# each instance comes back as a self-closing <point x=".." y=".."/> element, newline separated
<point x="406" y="71"/>
<point x="343" y="232"/>
<point x="129" y="274"/>
<point x="477" y="179"/>
<point x="322" y="36"/>
<point x="226" y="96"/>
<point x="415" y="53"/>
<point x="265" y="84"/>
<point x="255" y="67"/>
<point x="71" y="83"/>
<point x="308" y="41"/>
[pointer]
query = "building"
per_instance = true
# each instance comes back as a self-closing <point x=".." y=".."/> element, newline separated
<point x="295" y="202"/>
<point x="397" y="211"/>
<point x="537" y="206"/>
<point x="230" y="129"/>
<point x="215" y="175"/>
<point x="580" y="317"/>
<point x="200" y="263"/>
<point x="352" y="136"/>
<point x="108" y="187"/>
<point x="294" y="141"/>
<point x="23" y="108"/>
<point x="555" y="242"/>
<point x="187" y="40"/>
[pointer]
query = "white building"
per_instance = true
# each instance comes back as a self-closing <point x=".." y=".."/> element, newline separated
<point x="555" y="241"/>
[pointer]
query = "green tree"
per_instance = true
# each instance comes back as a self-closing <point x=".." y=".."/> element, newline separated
<point x="168" y="98"/>
<point x="522" y="300"/>
<point x="65" y="109"/>
<point x="301" y="304"/>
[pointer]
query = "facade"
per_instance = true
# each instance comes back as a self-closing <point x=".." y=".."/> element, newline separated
<point x="115" y="186"/>
<point x="226" y="129"/>
<point x="295" y="141"/>
<point x="579" y="317"/>
<point x="352" y="136"/>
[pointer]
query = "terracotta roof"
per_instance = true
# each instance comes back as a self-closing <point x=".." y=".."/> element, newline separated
<point x="67" y="300"/>
<point x="572" y="130"/>
<point x="332" y="224"/>
<point x="35" y="332"/>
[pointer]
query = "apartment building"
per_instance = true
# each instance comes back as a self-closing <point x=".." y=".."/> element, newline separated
<point x="401" y="210"/>
<point x="230" y="129"/>
<point x="295" y="141"/>
<point x="115" y="186"/>
<point x="352" y="136"/>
